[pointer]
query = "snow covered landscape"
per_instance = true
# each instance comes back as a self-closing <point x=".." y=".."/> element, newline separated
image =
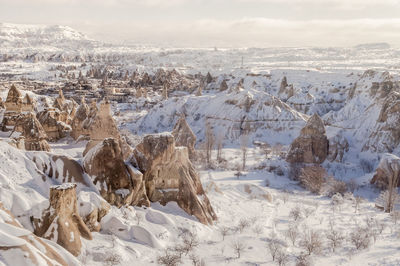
<point x="139" y="154"/>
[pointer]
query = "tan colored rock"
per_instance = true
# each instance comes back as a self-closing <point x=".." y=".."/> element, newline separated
<point x="389" y="166"/>
<point x="54" y="123"/>
<point x="13" y="102"/>
<point x="100" y="124"/>
<point x="27" y="104"/>
<point x="118" y="183"/>
<point x="223" y="86"/>
<point x="77" y="122"/>
<point x="312" y="145"/>
<point x="33" y="132"/>
<point x="170" y="176"/>
<point x="184" y="136"/>
<point x="25" y="244"/>
<point x="61" y="222"/>
<point x="60" y="102"/>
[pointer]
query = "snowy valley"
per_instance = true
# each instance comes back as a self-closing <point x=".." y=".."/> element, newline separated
<point x="121" y="155"/>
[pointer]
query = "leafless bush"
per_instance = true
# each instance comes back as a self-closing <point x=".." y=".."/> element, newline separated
<point x="258" y="229"/>
<point x="243" y="224"/>
<point x="311" y="241"/>
<point x="292" y="233"/>
<point x="238" y="247"/>
<point x="296" y="213"/>
<point x="295" y="170"/>
<point x="189" y="242"/>
<point x="308" y="211"/>
<point x="360" y="237"/>
<point x="335" y="237"/>
<point x="337" y="201"/>
<point x="169" y="258"/>
<point x="334" y="186"/>
<point x="312" y="178"/>
<point x="303" y="260"/>
<point x="388" y="199"/>
<point x="112" y="258"/>
<point x="196" y="261"/>
<point x="282" y="258"/>
<point x="273" y="246"/>
<point x="224" y="231"/>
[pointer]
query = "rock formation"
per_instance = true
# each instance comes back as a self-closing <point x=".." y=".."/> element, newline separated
<point x="60" y="102"/>
<point x="80" y="116"/>
<point x="118" y="183"/>
<point x="27" y="104"/>
<point x="61" y="221"/>
<point x="388" y="168"/>
<point x="312" y="145"/>
<point x="13" y="106"/>
<point x="54" y="123"/>
<point x="21" y="244"/>
<point x="386" y="135"/>
<point x="92" y="208"/>
<point x="184" y="136"/>
<point x="285" y="90"/>
<point x="223" y="86"/>
<point x="170" y="176"/>
<point x="165" y="92"/>
<point x="33" y="132"/>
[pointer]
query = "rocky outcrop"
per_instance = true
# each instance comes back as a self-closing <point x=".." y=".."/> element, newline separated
<point x="60" y="102"/>
<point x="285" y="90"/>
<point x="81" y="114"/>
<point x="118" y="183"/>
<point x="61" y="222"/>
<point x="13" y="105"/>
<point x="20" y="246"/>
<point x="386" y="134"/>
<point x="184" y="136"/>
<point x="54" y="123"/>
<point x="170" y="176"/>
<point x="312" y="145"/>
<point x="223" y="86"/>
<point x="33" y="132"/>
<point x="388" y="170"/>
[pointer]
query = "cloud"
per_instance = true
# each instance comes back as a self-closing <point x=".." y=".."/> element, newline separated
<point x="261" y="32"/>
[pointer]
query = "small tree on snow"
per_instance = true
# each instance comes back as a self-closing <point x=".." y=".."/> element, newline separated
<point x="238" y="247"/>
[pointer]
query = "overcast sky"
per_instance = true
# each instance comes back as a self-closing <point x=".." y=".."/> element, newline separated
<point x="236" y="23"/>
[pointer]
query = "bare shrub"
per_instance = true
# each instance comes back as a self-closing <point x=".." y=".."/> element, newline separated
<point x="360" y="237"/>
<point x="334" y="186"/>
<point x="224" y="231"/>
<point x="307" y="212"/>
<point x="337" y="201"/>
<point x="244" y="143"/>
<point x="219" y="140"/>
<point x="258" y="229"/>
<point x="292" y="233"/>
<point x="243" y="224"/>
<point x="311" y="241"/>
<point x="273" y="246"/>
<point x="335" y="237"/>
<point x="196" y="261"/>
<point x="169" y="258"/>
<point x="190" y="241"/>
<point x="295" y="170"/>
<point x="296" y="214"/>
<point x="387" y="200"/>
<point x="238" y="247"/>
<point x="303" y="260"/>
<point x="112" y="258"/>
<point x="282" y="258"/>
<point x="312" y="178"/>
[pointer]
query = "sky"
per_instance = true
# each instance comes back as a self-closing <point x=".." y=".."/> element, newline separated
<point x="220" y="23"/>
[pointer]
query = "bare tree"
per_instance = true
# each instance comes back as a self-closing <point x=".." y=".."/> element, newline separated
<point x="244" y="142"/>
<point x="238" y="247"/>
<point x="243" y="224"/>
<point x="168" y="258"/>
<point x="219" y="143"/>
<point x="224" y="231"/>
<point x="282" y="258"/>
<point x="311" y="241"/>
<point x="360" y="237"/>
<point x="395" y="215"/>
<point x="296" y="213"/>
<point x="335" y="237"/>
<point x="273" y="247"/>
<point x="292" y="233"/>
<point x="209" y="142"/>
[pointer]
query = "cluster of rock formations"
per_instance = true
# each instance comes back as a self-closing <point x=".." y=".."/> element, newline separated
<point x="157" y="170"/>
<point x="312" y="146"/>
<point x="388" y="170"/>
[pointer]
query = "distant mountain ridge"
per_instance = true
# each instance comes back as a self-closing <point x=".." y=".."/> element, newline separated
<point x="26" y="35"/>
